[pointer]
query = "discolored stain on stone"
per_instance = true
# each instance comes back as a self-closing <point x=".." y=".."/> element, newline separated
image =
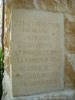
<point x="49" y="5"/>
<point x="70" y="72"/>
<point x="69" y="24"/>
<point x="67" y="6"/>
<point x="73" y="7"/>
<point x="23" y="3"/>
<point x="70" y="42"/>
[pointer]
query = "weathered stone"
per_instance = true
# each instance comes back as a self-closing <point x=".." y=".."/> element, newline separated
<point x="8" y="9"/>
<point x="70" y="72"/>
<point x="59" y="95"/>
<point x="7" y="40"/>
<point x="67" y="82"/>
<point x="69" y="42"/>
<point x="69" y="25"/>
<point x="22" y="3"/>
<point x="56" y="5"/>
<point x="73" y="7"/>
<point x="72" y="60"/>
<point x="66" y="6"/>
<point x="37" y="51"/>
<point x="49" y="5"/>
<point x="70" y="33"/>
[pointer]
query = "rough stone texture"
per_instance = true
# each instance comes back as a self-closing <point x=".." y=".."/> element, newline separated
<point x="70" y="33"/>
<point x="56" y="6"/>
<point x="72" y="60"/>
<point x="50" y="5"/>
<point x="70" y="72"/>
<point x="7" y="85"/>
<point x="23" y="3"/>
<point x="59" y="95"/>
<point x="73" y="7"/>
<point x="69" y="24"/>
<point x="7" y="37"/>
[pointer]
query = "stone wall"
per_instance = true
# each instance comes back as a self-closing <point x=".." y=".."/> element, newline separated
<point x="67" y="8"/>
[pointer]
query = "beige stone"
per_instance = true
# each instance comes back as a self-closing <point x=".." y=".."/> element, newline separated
<point x="70" y="33"/>
<point x="69" y="71"/>
<point x="49" y="5"/>
<point x="37" y="51"/>
<point x="66" y="6"/>
<point x="73" y="7"/>
<point x="22" y="3"/>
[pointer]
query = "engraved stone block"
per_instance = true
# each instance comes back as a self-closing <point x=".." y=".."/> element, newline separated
<point x="37" y="51"/>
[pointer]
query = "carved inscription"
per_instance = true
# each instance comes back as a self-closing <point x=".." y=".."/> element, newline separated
<point x="37" y="51"/>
